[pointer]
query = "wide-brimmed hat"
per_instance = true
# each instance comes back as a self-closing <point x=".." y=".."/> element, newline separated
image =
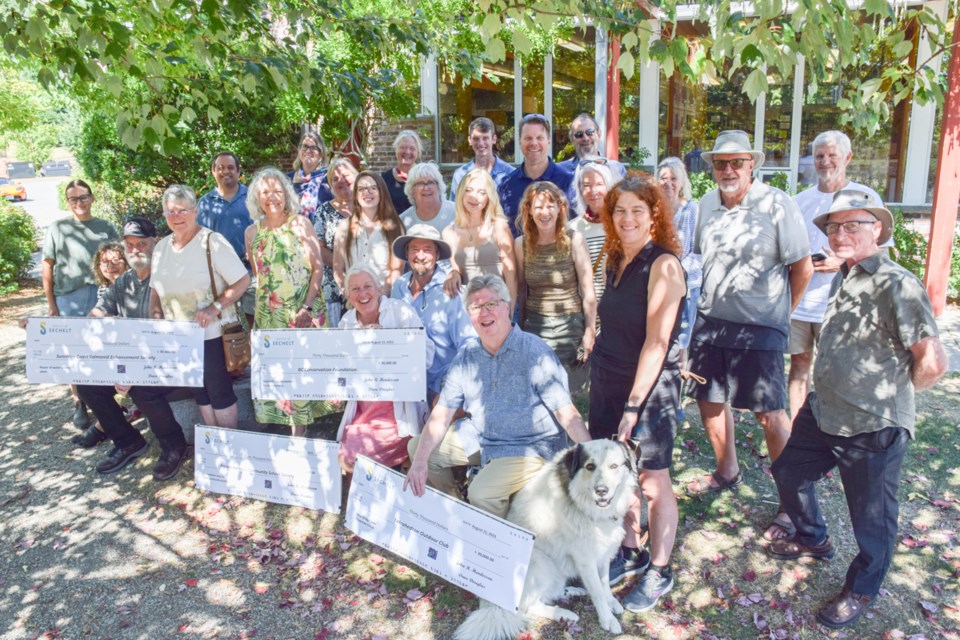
<point x="422" y="232"/>
<point x="733" y="141"/>
<point x="857" y="200"/>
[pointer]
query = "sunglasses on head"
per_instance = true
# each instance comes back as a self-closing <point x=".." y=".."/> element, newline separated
<point x="586" y="161"/>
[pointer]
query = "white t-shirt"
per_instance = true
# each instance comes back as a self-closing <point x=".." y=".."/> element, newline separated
<point x="440" y="221"/>
<point x="182" y="280"/>
<point x="812" y="202"/>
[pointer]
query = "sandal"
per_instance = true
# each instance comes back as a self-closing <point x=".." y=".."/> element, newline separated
<point x="790" y="549"/>
<point x="779" y="529"/>
<point x="702" y="485"/>
<point x="844" y="609"/>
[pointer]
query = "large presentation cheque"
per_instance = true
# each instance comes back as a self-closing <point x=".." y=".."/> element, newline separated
<point x="340" y="364"/>
<point x="109" y="351"/>
<point x="302" y="472"/>
<point x="458" y="542"/>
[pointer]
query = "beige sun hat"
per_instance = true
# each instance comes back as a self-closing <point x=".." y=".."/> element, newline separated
<point x="857" y="200"/>
<point x="421" y="232"/>
<point x="733" y="141"/>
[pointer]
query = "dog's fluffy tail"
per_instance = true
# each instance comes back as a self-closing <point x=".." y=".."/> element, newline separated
<point x="491" y="622"/>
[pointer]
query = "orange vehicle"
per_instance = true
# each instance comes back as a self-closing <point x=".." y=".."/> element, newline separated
<point x="12" y="190"/>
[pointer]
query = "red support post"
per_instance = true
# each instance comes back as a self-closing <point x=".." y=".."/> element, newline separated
<point x="946" y="193"/>
<point x="613" y="100"/>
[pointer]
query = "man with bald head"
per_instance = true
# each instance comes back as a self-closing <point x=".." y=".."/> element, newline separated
<point x="878" y="345"/>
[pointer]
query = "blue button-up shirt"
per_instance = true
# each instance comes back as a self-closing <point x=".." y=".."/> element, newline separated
<point x="498" y="172"/>
<point x="511" y="397"/>
<point x="615" y="166"/>
<point x="445" y="319"/>
<point x="516" y="182"/>
<point x="229" y="219"/>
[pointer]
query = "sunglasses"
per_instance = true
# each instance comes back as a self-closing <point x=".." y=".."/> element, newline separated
<point x="586" y="161"/>
<point x="587" y="132"/>
<point x="736" y="164"/>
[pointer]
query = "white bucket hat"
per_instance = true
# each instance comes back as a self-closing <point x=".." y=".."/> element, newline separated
<point x="857" y="200"/>
<point x="421" y="232"/>
<point x="733" y="141"/>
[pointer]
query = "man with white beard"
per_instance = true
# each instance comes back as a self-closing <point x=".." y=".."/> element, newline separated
<point x="756" y="266"/>
<point x="129" y="297"/>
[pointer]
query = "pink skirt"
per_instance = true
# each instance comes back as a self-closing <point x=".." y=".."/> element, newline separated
<point x="373" y="433"/>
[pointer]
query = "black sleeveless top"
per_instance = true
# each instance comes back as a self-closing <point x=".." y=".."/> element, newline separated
<point x="623" y="317"/>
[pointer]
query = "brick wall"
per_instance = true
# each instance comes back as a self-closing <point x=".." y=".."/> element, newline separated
<point x="379" y="150"/>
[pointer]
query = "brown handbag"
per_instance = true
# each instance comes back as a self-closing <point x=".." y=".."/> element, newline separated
<point x="236" y="342"/>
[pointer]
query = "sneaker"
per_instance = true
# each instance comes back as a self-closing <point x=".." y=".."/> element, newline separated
<point x="89" y="438"/>
<point x="169" y="463"/>
<point x="648" y="591"/>
<point x="119" y="458"/>
<point x="622" y="567"/>
<point x="81" y="419"/>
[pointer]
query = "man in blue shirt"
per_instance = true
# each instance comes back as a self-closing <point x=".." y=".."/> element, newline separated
<point x="446" y="321"/>
<point x="584" y="134"/>
<point x="482" y="136"/>
<point x="537" y="166"/>
<point x="514" y="390"/>
<point x="224" y="210"/>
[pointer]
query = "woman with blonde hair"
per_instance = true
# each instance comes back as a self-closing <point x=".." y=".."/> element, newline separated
<point x="480" y="237"/>
<point x="367" y="235"/>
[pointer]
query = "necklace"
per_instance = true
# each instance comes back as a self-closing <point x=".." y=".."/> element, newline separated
<point x="471" y="228"/>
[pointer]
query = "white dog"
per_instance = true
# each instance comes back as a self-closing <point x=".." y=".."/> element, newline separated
<point x="575" y="507"/>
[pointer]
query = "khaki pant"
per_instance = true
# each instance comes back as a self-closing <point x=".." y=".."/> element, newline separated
<point x="499" y="479"/>
<point x="448" y="454"/>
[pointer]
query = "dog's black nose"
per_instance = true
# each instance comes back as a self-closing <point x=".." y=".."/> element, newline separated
<point x="602" y="490"/>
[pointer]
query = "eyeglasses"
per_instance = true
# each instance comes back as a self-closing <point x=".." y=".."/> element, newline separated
<point x="475" y="309"/>
<point x="535" y="117"/>
<point x="113" y="263"/>
<point x="310" y="147"/>
<point x="587" y="132"/>
<point x="427" y="184"/>
<point x="850" y="226"/>
<point x="367" y="189"/>
<point x="79" y="199"/>
<point x="736" y="164"/>
<point x="586" y="161"/>
<point x="177" y="212"/>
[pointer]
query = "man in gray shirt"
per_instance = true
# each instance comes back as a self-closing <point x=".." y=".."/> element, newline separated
<point x="878" y="344"/>
<point x="128" y="297"/>
<point x="756" y="265"/>
<point x="514" y="389"/>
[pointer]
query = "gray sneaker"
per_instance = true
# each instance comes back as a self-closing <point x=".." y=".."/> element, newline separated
<point x="622" y="567"/>
<point x="648" y="591"/>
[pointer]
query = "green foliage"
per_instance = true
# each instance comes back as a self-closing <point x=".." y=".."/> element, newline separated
<point x="17" y="244"/>
<point x="909" y="246"/>
<point x="781" y="181"/>
<point x="953" y="283"/>
<point x="701" y="183"/>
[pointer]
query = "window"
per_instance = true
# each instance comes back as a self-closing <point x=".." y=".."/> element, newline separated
<point x="459" y="104"/>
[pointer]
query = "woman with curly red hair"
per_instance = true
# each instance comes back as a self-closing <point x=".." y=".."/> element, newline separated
<point x="635" y="372"/>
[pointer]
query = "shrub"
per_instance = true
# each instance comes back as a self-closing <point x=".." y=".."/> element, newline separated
<point x="701" y="183"/>
<point x="18" y="240"/>
<point x="909" y="246"/>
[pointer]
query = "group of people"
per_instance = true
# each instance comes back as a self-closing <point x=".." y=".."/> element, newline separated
<point x="538" y="283"/>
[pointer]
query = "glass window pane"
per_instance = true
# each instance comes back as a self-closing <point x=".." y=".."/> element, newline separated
<point x="629" y="138"/>
<point x="778" y="117"/>
<point x="491" y="96"/>
<point x="574" y="87"/>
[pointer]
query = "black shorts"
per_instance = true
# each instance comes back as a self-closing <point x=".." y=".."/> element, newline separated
<point x="656" y="426"/>
<point x="217" y="389"/>
<point x="746" y="379"/>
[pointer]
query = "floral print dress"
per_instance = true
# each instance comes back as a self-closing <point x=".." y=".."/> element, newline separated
<point x="283" y="279"/>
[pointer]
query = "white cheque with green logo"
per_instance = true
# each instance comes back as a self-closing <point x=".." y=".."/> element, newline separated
<point x="470" y="548"/>
<point x="111" y="351"/>
<point x="302" y="472"/>
<point x="340" y="364"/>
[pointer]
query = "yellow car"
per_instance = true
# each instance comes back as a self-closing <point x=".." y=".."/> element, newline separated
<point x="12" y="190"/>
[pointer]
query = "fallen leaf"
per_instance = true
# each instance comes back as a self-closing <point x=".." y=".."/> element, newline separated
<point x="191" y="582"/>
<point x="749" y="576"/>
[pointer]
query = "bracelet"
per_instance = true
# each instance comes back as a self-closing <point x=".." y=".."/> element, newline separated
<point x="308" y="308"/>
<point x="627" y="408"/>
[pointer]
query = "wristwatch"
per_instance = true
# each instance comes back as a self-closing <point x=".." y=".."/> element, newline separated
<point x="628" y="408"/>
<point x="219" y="307"/>
<point x="307" y="308"/>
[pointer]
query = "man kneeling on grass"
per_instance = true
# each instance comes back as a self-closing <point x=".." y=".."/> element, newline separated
<point x="878" y="343"/>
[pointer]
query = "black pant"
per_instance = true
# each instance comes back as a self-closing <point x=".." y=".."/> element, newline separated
<point x="869" y="466"/>
<point x="110" y="415"/>
<point x="152" y="404"/>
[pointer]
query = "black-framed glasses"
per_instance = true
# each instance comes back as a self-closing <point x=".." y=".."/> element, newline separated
<point x="79" y="199"/>
<point x="586" y="132"/>
<point x="736" y="164"/>
<point x="850" y="226"/>
<point x="310" y="147"/>
<point x="426" y="184"/>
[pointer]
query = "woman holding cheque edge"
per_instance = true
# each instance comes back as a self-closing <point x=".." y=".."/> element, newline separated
<point x="284" y="251"/>
<point x="635" y="374"/>
<point x="181" y="290"/>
